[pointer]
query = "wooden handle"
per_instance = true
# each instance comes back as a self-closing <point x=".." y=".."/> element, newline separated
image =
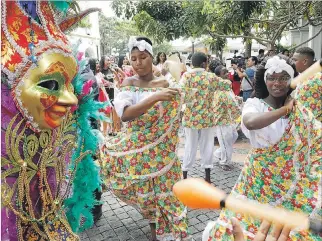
<point x="317" y="67"/>
<point x="196" y="193"/>
<point x="266" y="212"/>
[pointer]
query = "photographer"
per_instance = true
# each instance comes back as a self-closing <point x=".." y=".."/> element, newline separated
<point x="247" y="84"/>
<point x="233" y="76"/>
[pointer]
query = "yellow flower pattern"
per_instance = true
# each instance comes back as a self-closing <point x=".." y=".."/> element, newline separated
<point x="142" y="166"/>
<point x="199" y="107"/>
<point x="286" y="174"/>
<point x="227" y="106"/>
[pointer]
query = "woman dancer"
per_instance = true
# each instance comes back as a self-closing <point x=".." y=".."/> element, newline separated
<point x="161" y="58"/>
<point x="102" y="94"/>
<point x="283" y="169"/>
<point x="141" y="164"/>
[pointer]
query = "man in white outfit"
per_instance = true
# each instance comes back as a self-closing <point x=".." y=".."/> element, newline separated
<point x="198" y="115"/>
<point x="226" y="114"/>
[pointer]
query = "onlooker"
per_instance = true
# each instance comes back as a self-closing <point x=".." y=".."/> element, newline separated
<point x="110" y="75"/>
<point x="247" y="85"/>
<point x="233" y="76"/>
<point x="260" y="56"/>
<point x="271" y="52"/>
<point x="286" y="52"/>
<point x="214" y="64"/>
<point x="303" y="58"/>
<point x="125" y="65"/>
<point x="161" y="58"/>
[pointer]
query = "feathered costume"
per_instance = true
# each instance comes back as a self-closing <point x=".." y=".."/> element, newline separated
<point x="38" y="130"/>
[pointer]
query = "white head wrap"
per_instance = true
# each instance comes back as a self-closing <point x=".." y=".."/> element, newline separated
<point x="277" y="65"/>
<point x="141" y="45"/>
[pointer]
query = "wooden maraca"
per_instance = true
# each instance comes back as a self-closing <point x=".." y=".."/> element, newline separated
<point x="197" y="193"/>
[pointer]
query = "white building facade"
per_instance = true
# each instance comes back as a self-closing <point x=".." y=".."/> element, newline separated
<point x="305" y="33"/>
<point x="87" y="39"/>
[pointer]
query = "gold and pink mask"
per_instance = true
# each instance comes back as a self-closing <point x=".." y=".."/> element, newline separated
<point x="42" y="88"/>
<point x="37" y="71"/>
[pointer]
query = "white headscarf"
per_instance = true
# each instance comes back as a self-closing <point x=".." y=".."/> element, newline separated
<point x="141" y="45"/>
<point x="277" y="65"/>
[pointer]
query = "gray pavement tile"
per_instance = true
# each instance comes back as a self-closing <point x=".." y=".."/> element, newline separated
<point x="132" y="226"/>
<point x="193" y="230"/>
<point x="137" y="233"/>
<point x="146" y="229"/>
<point x="105" y="227"/>
<point x="121" y="230"/>
<point x="109" y="234"/>
<point x="197" y="236"/>
<point x="98" y="237"/>
<point x="193" y="221"/>
<point x="203" y="218"/>
<point x="200" y="226"/>
<point x="119" y="210"/>
<point x="116" y="224"/>
<point x="123" y="215"/>
<point x="127" y="221"/>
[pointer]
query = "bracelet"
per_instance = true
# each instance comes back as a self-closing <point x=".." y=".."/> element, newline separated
<point x="287" y="110"/>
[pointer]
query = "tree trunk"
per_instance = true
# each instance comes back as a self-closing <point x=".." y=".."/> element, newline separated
<point x="247" y="41"/>
<point x="217" y="53"/>
<point x="220" y="55"/>
<point x="271" y="46"/>
<point x="248" y="48"/>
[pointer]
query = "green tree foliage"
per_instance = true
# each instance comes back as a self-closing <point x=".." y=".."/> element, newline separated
<point x="263" y="21"/>
<point x="165" y="47"/>
<point x="115" y="34"/>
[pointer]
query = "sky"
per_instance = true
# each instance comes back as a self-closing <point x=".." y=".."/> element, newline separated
<point x="105" y="6"/>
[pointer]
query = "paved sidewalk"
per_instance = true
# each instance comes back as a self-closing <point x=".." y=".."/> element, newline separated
<point x="121" y="222"/>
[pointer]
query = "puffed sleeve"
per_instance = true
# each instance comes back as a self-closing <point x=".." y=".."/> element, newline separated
<point x="252" y="105"/>
<point x="122" y="100"/>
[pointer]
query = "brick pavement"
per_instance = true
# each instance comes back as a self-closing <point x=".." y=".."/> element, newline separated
<point x="121" y="222"/>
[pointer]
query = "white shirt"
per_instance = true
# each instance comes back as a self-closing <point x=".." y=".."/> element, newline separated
<point x="128" y="98"/>
<point x="266" y="136"/>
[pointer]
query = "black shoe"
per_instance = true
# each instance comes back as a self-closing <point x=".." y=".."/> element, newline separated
<point x="97" y="212"/>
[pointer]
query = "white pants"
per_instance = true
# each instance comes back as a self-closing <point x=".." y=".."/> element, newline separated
<point x="227" y="136"/>
<point x="205" y="138"/>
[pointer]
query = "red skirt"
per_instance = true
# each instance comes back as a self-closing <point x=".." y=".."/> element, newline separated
<point x="103" y="97"/>
<point x="236" y="87"/>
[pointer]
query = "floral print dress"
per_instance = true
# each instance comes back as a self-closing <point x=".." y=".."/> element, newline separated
<point x="286" y="174"/>
<point x="198" y="113"/>
<point x="141" y="165"/>
<point x="227" y="106"/>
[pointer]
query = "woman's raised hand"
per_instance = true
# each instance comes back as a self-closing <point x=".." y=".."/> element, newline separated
<point x="167" y="94"/>
<point x="289" y="104"/>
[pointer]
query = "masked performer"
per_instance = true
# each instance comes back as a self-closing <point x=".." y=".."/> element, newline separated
<point x="141" y="164"/>
<point x="284" y="167"/>
<point x="37" y="128"/>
